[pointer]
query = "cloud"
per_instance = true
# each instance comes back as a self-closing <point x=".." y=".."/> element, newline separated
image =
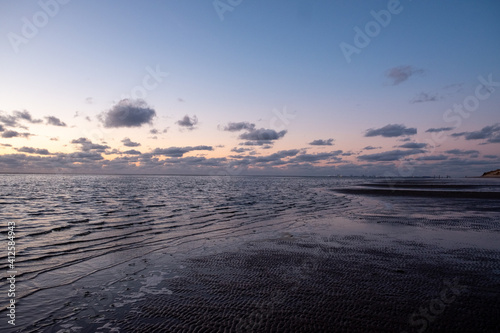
<point x="128" y="113"/>
<point x="440" y="129"/>
<point x="132" y="152"/>
<point x="491" y="156"/>
<point x="178" y="151"/>
<point x="51" y="120"/>
<point x="462" y="152"/>
<point x="25" y="115"/>
<point x="391" y="130"/>
<point x="313" y="158"/>
<point x="432" y="158"/>
<point x="241" y="150"/>
<point x="413" y="145"/>
<point x="392" y="155"/>
<point x="128" y="143"/>
<point x="262" y="134"/>
<point x="9" y="121"/>
<point x="13" y="119"/>
<point x="188" y="122"/>
<point x="425" y="97"/>
<point x="84" y="156"/>
<point x="30" y="150"/>
<point x="89" y="100"/>
<point x="402" y="73"/>
<point x="320" y="142"/>
<point x="234" y="127"/>
<point x="87" y="145"/>
<point x="13" y="134"/>
<point x="490" y="133"/>
<point x="371" y="148"/>
<point x="257" y="143"/>
<point x="273" y="159"/>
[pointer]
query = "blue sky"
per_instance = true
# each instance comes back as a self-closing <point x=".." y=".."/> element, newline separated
<point x="173" y="77"/>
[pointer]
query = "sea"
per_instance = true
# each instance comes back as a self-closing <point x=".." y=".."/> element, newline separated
<point x="89" y="247"/>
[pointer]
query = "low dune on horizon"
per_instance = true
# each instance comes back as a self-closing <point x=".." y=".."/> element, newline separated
<point x="495" y="174"/>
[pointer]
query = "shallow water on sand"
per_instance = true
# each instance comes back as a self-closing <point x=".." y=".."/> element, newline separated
<point x="90" y="249"/>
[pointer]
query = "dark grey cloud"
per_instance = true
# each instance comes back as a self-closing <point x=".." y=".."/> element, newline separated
<point x="432" y="158"/>
<point x="178" y="151"/>
<point x="262" y="134"/>
<point x="413" y="145"/>
<point x="31" y="150"/>
<point x="313" y="158"/>
<point x="489" y="133"/>
<point x="128" y="113"/>
<point x="155" y="131"/>
<point x="263" y="143"/>
<point x="491" y="156"/>
<point x="425" y="97"/>
<point x="241" y="150"/>
<point x="285" y="153"/>
<point x="274" y="159"/>
<point x="81" y="156"/>
<point x="392" y="155"/>
<point x="461" y="152"/>
<point x="8" y="120"/>
<point x="188" y="122"/>
<point x="25" y="115"/>
<point x="235" y="127"/>
<point x="14" y="134"/>
<point x="440" y="129"/>
<point x="13" y="119"/>
<point x="402" y="73"/>
<point x="371" y="148"/>
<point x="132" y="152"/>
<point x="319" y="142"/>
<point x="51" y="120"/>
<point x="129" y="143"/>
<point x="391" y="130"/>
<point x="86" y="145"/>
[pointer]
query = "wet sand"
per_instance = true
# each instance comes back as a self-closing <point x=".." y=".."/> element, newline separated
<point x="337" y="284"/>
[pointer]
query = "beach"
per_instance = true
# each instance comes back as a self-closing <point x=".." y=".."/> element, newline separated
<point x="257" y="254"/>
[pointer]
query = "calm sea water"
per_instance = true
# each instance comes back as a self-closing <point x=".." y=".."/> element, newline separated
<point x="71" y="228"/>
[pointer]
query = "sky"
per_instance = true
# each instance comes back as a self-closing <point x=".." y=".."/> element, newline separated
<point x="238" y="87"/>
